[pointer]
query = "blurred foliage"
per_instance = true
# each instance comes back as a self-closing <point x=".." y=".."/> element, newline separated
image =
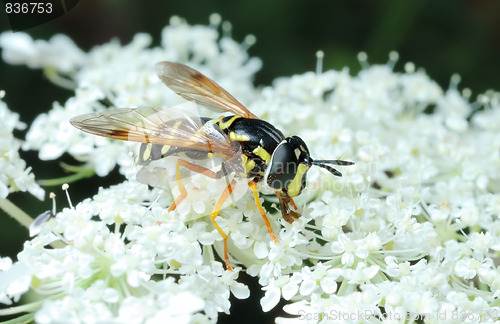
<point x="444" y="37"/>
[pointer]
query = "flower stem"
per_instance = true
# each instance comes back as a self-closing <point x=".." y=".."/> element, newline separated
<point x="15" y="212"/>
<point x="21" y="309"/>
<point x="26" y="318"/>
<point x="80" y="173"/>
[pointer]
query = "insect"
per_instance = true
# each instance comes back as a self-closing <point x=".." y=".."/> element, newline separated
<point x="259" y="148"/>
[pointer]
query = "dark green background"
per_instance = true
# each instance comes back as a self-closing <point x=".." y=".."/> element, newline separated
<point x="444" y="37"/>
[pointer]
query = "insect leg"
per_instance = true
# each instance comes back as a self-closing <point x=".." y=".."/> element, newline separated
<point x="218" y="206"/>
<point x="286" y="202"/>
<point x="253" y="185"/>
<point x="193" y="167"/>
<point x="223" y="197"/>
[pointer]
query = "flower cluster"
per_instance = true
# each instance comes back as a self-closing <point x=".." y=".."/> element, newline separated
<point x="116" y="257"/>
<point x="14" y="175"/>
<point x="410" y="231"/>
<point x="120" y="256"/>
<point x="122" y="76"/>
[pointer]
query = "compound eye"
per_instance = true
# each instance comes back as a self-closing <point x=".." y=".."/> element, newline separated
<point x="282" y="167"/>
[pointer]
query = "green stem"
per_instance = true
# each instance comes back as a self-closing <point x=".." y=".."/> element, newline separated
<point x="15" y="212"/>
<point x="24" y="219"/>
<point x="80" y="174"/>
<point x="26" y="318"/>
<point x="22" y="308"/>
<point x="342" y="289"/>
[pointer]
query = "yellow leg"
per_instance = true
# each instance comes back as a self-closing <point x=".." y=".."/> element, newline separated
<point x="218" y="206"/>
<point x="193" y="167"/>
<point x="253" y="185"/>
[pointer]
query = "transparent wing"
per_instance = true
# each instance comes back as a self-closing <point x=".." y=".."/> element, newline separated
<point x="170" y="126"/>
<point x="192" y="85"/>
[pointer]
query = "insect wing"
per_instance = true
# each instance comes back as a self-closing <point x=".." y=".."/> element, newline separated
<point x="192" y="85"/>
<point x="157" y="126"/>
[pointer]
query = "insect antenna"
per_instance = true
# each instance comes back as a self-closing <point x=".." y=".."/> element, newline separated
<point x="325" y="164"/>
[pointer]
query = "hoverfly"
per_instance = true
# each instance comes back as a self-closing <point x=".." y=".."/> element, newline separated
<point x="262" y="151"/>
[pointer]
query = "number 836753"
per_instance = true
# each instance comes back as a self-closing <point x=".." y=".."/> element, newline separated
<point x="28" y="7"/>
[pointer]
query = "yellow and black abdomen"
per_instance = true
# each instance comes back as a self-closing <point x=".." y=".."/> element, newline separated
<point x="258" y="140"/>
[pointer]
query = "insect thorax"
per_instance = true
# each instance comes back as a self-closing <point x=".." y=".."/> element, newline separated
<point x="257" y="138"/>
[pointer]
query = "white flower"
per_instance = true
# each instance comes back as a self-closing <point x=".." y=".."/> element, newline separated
<point x="100" y="274"/>
<point x="59" y="53"/>
<point x="467" y="268"/>
<point x="14" y="175"/>
<point x="15" y="280"/>
<point x="412" y="228"/>
<point x="416" y="165"/>
<point x="348" y="249"/>
<point x="271" y="297"/>
<point x="123" y="76"/>
<point x="361" y="274"/>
